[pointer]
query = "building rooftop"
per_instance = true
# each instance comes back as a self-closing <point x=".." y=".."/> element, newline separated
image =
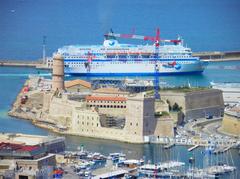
<point x="19" y="150"/>
<point x="25" y="138"/>
<point x="17" y="147"/>
<point x="69" y="84"/>
<point x="110" y="90"/>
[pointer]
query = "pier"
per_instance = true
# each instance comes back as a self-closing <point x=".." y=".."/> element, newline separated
<point x="218" y="55"/>
<point x="19" y="63"/>
<point x="170" y="145"/>
<point x="222" y="149"/>
<point x="192" y="148"/>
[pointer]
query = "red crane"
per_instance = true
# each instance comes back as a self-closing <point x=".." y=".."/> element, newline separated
<point x="155" y="39"/>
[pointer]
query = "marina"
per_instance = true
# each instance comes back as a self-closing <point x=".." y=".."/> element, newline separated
<point x="84" y="163"/>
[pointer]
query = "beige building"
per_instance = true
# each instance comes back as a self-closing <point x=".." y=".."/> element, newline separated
<point x="28" y="156"/>
<point x="164" y="127"/>
<point x="112" y="105"/>
<point x="139" y="124"/>
<point x="231" y="122"/>
<point x="196" y="103"/>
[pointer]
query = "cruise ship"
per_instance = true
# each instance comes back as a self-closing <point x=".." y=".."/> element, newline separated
<point x="163" y="57"/>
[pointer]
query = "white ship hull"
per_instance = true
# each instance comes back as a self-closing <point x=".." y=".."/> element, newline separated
<point x="114" y="58"/>
<point x="141" y="67"/>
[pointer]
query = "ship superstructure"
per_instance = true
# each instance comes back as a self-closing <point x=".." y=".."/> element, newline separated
<point x="114" y="58"/>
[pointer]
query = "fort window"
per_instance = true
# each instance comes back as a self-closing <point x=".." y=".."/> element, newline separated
<point x="136" y="124"/>
<point x="97" y="124"/>
<point x="87" y="123"/>
<point x="130" y="124"/>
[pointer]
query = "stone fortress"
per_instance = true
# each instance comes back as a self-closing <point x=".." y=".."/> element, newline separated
<point x="73" y="107"/>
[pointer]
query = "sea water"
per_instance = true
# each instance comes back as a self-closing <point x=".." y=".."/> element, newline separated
<point x="205" y="25"/>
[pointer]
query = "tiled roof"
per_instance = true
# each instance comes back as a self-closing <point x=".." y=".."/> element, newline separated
<point x="105" y="98"/>
<point x="17" y="147"/>
<point x="72" y="83"/>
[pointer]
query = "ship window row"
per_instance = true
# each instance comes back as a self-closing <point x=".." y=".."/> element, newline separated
<point x="132" y="58"/>
<point x="127" y="62"/>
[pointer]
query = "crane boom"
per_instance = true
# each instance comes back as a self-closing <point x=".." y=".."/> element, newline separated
<point x="155" y="39"/>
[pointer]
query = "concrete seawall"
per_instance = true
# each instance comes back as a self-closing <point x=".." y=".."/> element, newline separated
<point x="19" y="63"/>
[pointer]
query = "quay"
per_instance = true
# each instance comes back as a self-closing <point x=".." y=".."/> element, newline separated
<point x="19" y="63"/>
<point x="47" y="64"/>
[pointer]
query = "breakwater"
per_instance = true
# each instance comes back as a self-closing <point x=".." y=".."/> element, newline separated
<point x="20" y="63"/>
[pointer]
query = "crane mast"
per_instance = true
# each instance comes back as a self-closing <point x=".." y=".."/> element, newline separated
<point x="156" y="41"/>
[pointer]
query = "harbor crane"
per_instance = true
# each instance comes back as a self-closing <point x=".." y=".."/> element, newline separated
<point x="156" y="40"/>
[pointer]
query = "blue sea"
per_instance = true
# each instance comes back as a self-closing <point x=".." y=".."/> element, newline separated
<point x="206" y="25"/>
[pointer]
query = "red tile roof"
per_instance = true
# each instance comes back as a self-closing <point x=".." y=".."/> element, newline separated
<point x="17" y="147"/>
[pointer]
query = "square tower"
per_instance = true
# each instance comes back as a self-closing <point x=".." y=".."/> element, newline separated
<point x="140" y="120"/>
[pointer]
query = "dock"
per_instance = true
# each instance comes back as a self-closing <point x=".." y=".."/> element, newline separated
<point x="222" y="149"/>
<point x="192" y="148"/>
<point x="19" y="63"/>
<point x="24" y="63"/>
<point x="170" y="145"/>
